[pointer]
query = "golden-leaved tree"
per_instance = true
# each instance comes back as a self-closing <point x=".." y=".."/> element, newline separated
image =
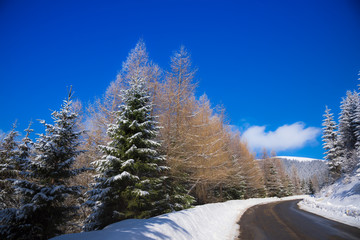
<point x="199" y="146"/>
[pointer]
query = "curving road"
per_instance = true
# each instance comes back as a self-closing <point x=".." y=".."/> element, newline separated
<point x="284" y="220"/>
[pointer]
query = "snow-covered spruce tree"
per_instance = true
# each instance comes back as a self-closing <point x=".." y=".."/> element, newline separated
<point x="43" y="212"/>
<point x="15" y="171"/>
<point x="311" y="188"/>
<point x="356" y="123"/>
<point x="289" y="187"/>
<point x="348" y="125"/>
<point x="16" y="159"/>
<point x="25" y="152"/>
<point x="8" y="153"/>
<point x="330" y="144"/>
<point x="273" y="183"/>
<point x="129" y="183"/>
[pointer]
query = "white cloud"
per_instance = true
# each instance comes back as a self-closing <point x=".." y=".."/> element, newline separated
<point x="284" y="138"/>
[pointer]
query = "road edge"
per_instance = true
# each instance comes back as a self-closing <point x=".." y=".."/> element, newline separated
<point x="266" y="201"/>
<point x="341" y="219"/>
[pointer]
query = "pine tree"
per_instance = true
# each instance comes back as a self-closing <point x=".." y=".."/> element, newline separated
<point x="273" y="184"/>
<point x="42" y="212"/>
<point x="311" y="188"/>
<point x="348" y="124"/>
<point x="304" y="187"/>
<point x="330" y="144"/>
<point x="102" y="112"/>
<point x="131" y="181"/>
<point x="355" y="161"/>
<point x="329" y="135"/>
<point x="295" y="180"/>
<point x="25" y="149"/>
<point x="289" y="188"/>
<point x="8" y="153"/>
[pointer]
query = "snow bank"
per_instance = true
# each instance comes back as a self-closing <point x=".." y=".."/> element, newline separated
<point x="210" y="221"/>
<point x="339" y="202"/>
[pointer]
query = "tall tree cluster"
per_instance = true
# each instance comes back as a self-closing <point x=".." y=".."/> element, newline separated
<point x="342" y="139"/>
<point x="201" y="152"/>
<point x="204" y="155"/>
<point x="9" y="167"/>
<point x="277" y="182"/>
<point x="152" y="147"/>
<point x="42" y="180"/>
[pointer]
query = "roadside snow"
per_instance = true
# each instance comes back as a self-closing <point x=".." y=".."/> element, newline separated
<point x="339" y="201"/>
<point x="210" y="221"/>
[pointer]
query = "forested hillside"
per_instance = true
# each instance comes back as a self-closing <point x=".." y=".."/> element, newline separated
<point x="306" y="176"/>
<point x="285" y="176"/>
<point x="340" y="200"/>
<point x="307" y="169"/>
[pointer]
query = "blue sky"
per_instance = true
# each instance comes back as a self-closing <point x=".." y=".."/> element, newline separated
<point x="273" y="65"/>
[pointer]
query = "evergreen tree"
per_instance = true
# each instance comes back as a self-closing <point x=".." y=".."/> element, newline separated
<point x="289" y="186"/>
<point x="311" y="188"/>
<point x="329" y="135"/>
<point x="8" y="153"/>
<point x="25" y="152"/>
<point x="330" y="144"/>
<point x="355" y="160"/>
<point x="42" y="212"/>
<point x="295" y="180"/>
<point x="130" y="182"/>
<point x="273" y="184"/>
<point x="304" y="187"/>
<point x="348" y="125"/>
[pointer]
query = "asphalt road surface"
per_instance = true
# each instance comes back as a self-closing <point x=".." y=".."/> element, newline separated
<point x="285" y="221"/>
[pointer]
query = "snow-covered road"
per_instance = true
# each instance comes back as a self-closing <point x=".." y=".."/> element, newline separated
<point x="284" y="220"/>
<point x="210" y="221"/>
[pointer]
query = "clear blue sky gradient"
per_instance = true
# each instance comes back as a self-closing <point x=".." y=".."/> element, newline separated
<point x="267" y="62"/>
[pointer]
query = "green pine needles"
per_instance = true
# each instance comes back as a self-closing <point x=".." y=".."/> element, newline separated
<point x="42" y="183"/>
<point x="131" y="180"/>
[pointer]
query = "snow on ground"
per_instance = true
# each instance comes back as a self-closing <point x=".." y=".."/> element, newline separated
<point x="210" y="221"/>
<point x="339" y="201"/>
<point x="299" y="159"/>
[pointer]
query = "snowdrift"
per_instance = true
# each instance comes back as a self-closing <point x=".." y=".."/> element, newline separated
<point x="339" y="201"/>
<point x="210" y="221"/>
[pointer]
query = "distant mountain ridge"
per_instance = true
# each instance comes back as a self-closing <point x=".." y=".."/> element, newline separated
<point x="300" y="159"/>
<point x="307" y="168"/>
